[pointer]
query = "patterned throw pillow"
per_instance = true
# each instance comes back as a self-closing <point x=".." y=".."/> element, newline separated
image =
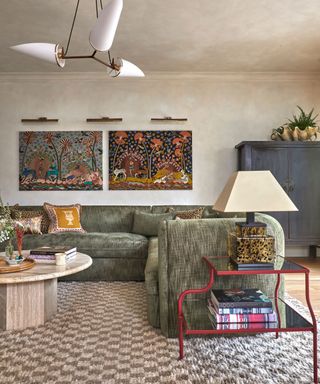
<point x="64" y="218"/>
<point x="18" y="213"/>
<point x="190" y="214"/>
<point x="31" y="225"/>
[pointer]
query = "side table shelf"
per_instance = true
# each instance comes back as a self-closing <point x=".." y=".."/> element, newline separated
<point x="197" y="322"/>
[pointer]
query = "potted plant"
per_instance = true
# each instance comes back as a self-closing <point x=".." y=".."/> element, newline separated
<point x="302" y="127"/>
<point x="7" y="228"/>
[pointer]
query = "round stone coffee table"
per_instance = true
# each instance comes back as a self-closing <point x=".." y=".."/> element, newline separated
<point x="29" y="298"/>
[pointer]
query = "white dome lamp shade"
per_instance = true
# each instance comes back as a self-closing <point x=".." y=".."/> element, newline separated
<point x="102" y="35"/>
<point x="52" y="53"/>
<point x="124" y="68"/>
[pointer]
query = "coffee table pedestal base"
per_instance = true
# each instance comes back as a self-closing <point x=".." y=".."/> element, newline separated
<point x="27" y="304"/>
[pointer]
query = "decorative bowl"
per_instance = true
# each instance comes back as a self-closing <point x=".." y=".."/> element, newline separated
<point x="14" y="261"/>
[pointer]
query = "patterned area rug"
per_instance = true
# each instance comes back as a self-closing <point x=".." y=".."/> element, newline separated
<point x="101" y="335"/>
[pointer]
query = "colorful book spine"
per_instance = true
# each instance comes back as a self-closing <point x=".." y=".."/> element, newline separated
<point x="51" y="251"/>
<point x="49" y="259"/>
<point x="243" y="318"/>
<point x="248" y="326"/>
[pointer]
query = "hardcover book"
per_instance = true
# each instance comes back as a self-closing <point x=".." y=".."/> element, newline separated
<point x="51" y="257"/>
<point x="237" y="310"/>
<point x="242" y="317"/>
<point x="234" y="326"/>
<point x="239" y="298"/>
<point x="52" y="250"/>
<point x="251" y="266"/>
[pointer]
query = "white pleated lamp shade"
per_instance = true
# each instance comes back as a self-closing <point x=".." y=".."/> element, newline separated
<point x="102" y="35"/>
<point x="44" y="51"/>
<point x="126" y="69"/>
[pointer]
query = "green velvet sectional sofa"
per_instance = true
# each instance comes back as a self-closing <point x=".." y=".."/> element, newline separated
<point x="145" y="243"/>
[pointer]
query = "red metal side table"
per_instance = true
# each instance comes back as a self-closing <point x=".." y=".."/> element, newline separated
<point x="197" y="322"/>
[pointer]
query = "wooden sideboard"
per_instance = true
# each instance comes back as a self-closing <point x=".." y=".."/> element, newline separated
<point x="296" y="165"/>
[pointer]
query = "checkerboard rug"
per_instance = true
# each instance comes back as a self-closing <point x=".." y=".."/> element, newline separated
<point x="101" y="335"/>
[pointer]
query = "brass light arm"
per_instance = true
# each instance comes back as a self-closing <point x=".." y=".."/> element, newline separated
<point x="112" y="64"/>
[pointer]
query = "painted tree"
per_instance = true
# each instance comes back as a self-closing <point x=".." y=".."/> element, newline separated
<point x="65" y="145"/>
<point x="51" y="145"/>
<point x="91" y="142"/>
<point x="155" y="145"/>
<point x="141" y="141"/>
<point x="180" y="143"/>
<point x="28" y="138"/>
<point x="120" y="139"/>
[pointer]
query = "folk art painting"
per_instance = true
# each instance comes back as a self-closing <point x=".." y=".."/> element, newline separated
<point x="69" y="160"/>
<point x="150" y="160"/>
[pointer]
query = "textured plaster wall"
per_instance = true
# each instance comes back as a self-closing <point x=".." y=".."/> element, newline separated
<point x="222" y="110"/>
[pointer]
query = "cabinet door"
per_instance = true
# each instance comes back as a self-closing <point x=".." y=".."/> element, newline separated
<point x="304" y="167"/>
<point x="276" y="161"/>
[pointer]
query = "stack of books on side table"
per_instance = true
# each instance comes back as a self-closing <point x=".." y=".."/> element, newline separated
<point x="241" y="309"/>
<point x="47" y="254"/>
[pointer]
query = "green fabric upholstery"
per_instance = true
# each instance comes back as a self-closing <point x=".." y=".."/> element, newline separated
<point x="152" y="283"/>
<point x="97" y="245"/>
<point x="147" y="224"/>
<point x="210" y="213"/>
<point x="109" y="218"/>
<point x="111" y="269"/>
<point x="165" y="208"/>
<point x="183" y="243"/>
<point x="117" y="253"/>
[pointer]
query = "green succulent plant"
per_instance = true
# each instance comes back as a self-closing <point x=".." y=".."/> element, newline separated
<point x="303" y="121"/>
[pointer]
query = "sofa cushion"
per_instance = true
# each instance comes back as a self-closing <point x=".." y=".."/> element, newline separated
<point x="113" y="218"/>
<point x="31" y="224"/>
<point x="64" y="218"/>
<point x="147" y="224"/>
<point x="172" y="208"/>
<point x="189" y="214"/>
<point x="210" y="213"/>
<point x="26" y="212"/>
<point x="96" y="245"/>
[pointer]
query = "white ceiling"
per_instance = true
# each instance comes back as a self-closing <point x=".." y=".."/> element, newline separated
<point x="173" y="35"/>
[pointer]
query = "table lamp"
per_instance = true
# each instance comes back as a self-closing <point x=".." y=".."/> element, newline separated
<point x="250" y="192"/>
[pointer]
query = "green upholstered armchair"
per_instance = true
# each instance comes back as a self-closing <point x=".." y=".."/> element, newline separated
<point x="181" y="245"/>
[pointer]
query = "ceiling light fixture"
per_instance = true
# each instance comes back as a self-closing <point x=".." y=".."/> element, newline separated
<point x="101" y="38"/>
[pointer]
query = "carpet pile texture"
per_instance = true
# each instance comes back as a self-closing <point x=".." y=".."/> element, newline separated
<point x="101" y="335"/>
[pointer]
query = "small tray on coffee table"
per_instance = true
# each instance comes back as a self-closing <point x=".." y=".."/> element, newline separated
<point x="24" y="265"/>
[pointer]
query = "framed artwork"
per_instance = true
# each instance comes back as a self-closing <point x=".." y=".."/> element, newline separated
<point x="149" y="160"/>
<point x="60" y="161"/>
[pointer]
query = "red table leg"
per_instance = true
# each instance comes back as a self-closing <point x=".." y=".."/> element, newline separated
<point x="276" y="291"/>
<point x="181" y="320"/>
<point x="314" y="323"/>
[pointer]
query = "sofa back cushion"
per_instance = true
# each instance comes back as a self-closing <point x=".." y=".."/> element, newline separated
<point x="208" y="211"/>
<point x="104" y="218"/>
<point x="173" y="208"/>
<point x="146" y="223"/>
<point x="109" y="218"/>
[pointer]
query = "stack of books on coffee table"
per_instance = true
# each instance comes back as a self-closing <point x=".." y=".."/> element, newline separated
<point x="47" y="254"/>
<point x="241" y="309"/>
